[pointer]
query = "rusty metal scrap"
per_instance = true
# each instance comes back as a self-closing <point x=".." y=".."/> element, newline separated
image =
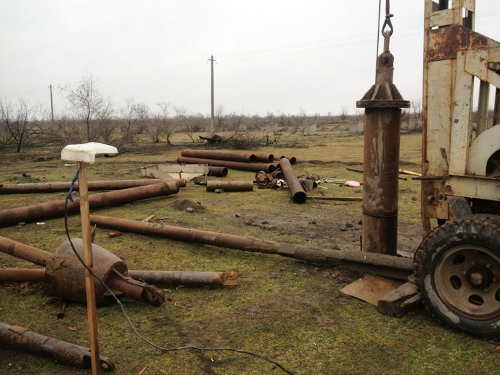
<point x="56" y="208"/>
<point x="252" y="167"/>
<point x="378" y="264"/>
<point x="217" y="171"/>
<point x="26" y="252"/>
<point x="118" y="233"/>
<point x="230" y="185"/>
<point x="296" y="189"/>
<point x="291" y="159"/>
<point x="59" y="350"/>
<point x="382" y="104"/>
<point x="21" y="275"/>
<point x="64" y="273"/>
<point x="225" y="155"/>
<point x="186" y="278"/>
<point x="52" y="187"/>
<point x="151" y="277"/>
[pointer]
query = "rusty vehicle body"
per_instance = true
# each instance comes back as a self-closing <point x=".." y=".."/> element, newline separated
<point x="59" y="350"/>
<point x="458" y="262"/>
<point x="53" y="209"/>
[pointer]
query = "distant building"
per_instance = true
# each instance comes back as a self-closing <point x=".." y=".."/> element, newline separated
<point x="272" y="127"/>
<point x="357" y="127"/>
<point x="310" y="128"/>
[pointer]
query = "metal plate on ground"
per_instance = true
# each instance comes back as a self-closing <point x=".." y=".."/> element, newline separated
<point x="166" y="171"/>
<point x="371" y="289"/>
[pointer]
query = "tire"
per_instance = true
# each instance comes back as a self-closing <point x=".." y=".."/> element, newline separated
<point x="458" y="275"/>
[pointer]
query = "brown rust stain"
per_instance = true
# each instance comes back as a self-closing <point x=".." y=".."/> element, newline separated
<point x="446" y="42"/>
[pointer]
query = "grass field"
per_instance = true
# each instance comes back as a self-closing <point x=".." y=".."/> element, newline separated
<point x="284" y="309"/>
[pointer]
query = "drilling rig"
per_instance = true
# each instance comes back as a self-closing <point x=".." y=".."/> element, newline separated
<point x="458" y="262"/>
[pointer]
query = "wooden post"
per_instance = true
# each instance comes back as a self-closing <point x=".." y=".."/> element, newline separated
<point x="89" y="279"/>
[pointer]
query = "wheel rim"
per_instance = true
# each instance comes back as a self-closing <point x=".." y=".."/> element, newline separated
<point x="467" y="281"/>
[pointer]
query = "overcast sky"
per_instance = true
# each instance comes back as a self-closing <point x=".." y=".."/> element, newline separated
<point x="314" y="56"/>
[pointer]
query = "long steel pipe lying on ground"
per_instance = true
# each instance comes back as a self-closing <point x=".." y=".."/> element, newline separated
<point x="59" y="350"/>
<point x="296" y="189"/>
<point x="52" y="187"/>
<point x="186" y="278"/>
<point x="230" y="185"/>
<point x="378" y="264"/>
<point x="224" y="155"/>
<point x="252" y="167"/>
<point x="56" y="208"/>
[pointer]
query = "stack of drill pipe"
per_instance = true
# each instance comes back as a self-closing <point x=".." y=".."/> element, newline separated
<point x="234" y="160"/>
<point x="230" y="185"/>
<point x="52" y="187"/>
<point x="54" y="209"/>
<point x="59" y="350"/>
<point x="296" y="189"/>
<point x="186" y="278"/>
<point x="378" y="264"/>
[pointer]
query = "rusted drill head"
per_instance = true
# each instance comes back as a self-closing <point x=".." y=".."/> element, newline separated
<point x="65" y="276"/>
<point x="384" y="93"/>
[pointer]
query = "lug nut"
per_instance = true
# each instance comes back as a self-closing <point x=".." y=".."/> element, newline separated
<point x="486" y="290"/>
<point x="488" y="265"/>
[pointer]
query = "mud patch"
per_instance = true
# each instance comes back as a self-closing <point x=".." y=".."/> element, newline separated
<point x="184" y="204"/>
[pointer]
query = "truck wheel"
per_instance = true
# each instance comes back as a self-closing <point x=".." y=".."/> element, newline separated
<point x="458" y="274"/>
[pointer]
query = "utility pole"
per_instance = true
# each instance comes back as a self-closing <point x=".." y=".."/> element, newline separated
<point x="211" y="59"/>
<point x="51" y="105"/>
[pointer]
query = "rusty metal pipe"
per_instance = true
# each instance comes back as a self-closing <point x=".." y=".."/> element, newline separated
<point x="21" y="275"/>
<point x="230" y="185"/>
<point x="219" y="155"/>
<point x="26" y="252"/>
<point x="56" y="208"/>
<point x="59" y="350"/>
<point x="296" y="189"/>
<point x="151" y="277"/>
<point x="264" y="158"/>
<point x="52" y="187"/>
<point x="252" y="167"/>
<point x="291" y="159"/>
<point x="186" y="278"/>
<point x="217" y="171"/>
<point x="378" y="264"/>
<point x="380" y="180"/>
<point x="64" y="274"/>
<point x="382" y="104"/>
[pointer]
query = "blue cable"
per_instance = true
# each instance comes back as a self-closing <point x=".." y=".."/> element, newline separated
<point x="73" y="183"/>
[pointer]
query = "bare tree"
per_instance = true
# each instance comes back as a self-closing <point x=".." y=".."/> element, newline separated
<point x="220" y="117"/>
<point x="416" y="109"/>
<point x="134" y="118"/>
<point x="161" y="126"/>
<point x="86" y="102"/>
<point x="344" y="112"/>
<point x="18" y="121"/>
